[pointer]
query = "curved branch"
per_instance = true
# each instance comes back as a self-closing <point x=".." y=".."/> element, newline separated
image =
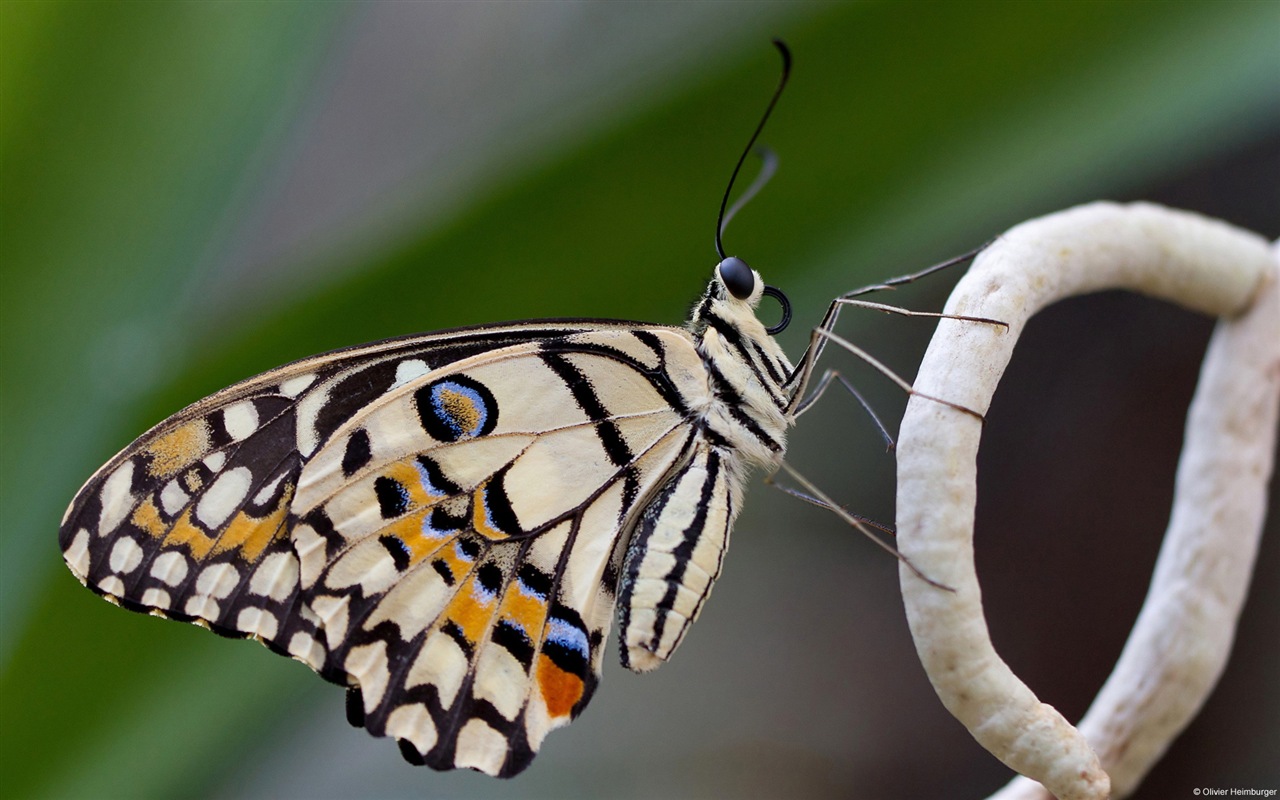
<point x="1180" y="643"/>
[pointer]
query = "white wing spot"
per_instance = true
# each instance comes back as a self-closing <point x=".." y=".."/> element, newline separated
<point x="414" y="723"/>
<point x="173" y="498"/>
<point x="156" y="598"/>
<point x="308" y="616"/>
<point x="409" y="370"/>
<point x="368" y="663"/>
<point x="442" y="663"/>
<point x="218" y="581"/>
<point x="117" y="499"/>
<point x="77" y="555"/>
<point x="501" y="680"/>
<point x="201" y="606"/>
<point x="222" y="498"/>
<point x="308" y="410"/>
<point x="240" y="420"/>
<point x="481" y="747"/>
<point x="334" y="611"/>
<point x="258" y="621"/>
<point x="215" y="461"/>
<point x="275" y="577"/>
<point x="170" y="567"/>
<point x="125" y="555"/>
<point x="267" y="491"/>
<point x="112" y="585"/>
<point x="297" y="384"/>
<point x="367" y="564"/>
<point x="306" y="649"/>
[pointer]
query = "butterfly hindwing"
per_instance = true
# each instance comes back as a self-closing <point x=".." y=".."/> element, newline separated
<point x="466" y="585"/>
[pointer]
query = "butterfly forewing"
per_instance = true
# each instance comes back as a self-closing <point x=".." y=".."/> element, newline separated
<point x="437" y="521"/>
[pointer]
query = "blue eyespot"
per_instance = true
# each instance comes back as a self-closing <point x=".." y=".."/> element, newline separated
<point x="457" y="407"/>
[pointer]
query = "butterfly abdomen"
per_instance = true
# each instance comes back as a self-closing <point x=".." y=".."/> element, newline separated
<point x="675" y="555"/>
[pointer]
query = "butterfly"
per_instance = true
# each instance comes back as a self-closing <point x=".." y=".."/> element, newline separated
<point x="445" y="523"/>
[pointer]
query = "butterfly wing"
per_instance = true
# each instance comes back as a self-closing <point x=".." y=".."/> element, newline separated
<point x="437" y="522"/>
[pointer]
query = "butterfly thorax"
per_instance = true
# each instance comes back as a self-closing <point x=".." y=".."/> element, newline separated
<point x="747" y="370"/>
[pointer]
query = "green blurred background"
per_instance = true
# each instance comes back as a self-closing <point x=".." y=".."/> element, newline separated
<point x="191" y="193"/>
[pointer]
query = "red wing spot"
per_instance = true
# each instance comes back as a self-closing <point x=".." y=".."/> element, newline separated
<point x="561" y="690"/>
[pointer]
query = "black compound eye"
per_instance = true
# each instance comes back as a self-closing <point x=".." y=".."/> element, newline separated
<point x="737" y="277"/>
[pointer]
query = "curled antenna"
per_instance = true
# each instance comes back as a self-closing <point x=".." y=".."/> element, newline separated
<point x="782" y="82"/>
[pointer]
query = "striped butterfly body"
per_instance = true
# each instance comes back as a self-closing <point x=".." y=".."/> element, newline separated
<point x="446" y="523"/>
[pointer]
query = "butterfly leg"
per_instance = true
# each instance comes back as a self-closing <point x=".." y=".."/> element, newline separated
<point x="803" y="372"/>
<point x="893" y="376"/>
<point x="825" y="332"/>
<point x="824" y="504"/>
<point x="888" y="309"/>
<point x="849" y="298"/>
<point x="902" y="280"/>
<point x="822" y="334"/>
<point x="812" y="494"/>
<point x="816" y="394"/>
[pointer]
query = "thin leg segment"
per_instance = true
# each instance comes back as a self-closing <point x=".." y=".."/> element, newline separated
<point x="803" y="373"/>
<point x="822" y="500"/>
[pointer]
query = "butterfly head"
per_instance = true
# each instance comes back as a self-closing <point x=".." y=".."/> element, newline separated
<point x="737" y="289"/>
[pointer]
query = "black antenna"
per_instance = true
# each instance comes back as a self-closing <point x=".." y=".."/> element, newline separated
<point x="782" y="83"/>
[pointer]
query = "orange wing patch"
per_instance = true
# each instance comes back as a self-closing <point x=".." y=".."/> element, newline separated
<point x="471" y="609"/>
<point x="415" y="537"/>
<point x="561" y="690"/>
<point x="410" y="477"/>
<point x="252" y="535"/>
<point x="179" y="447"/>
<point x="491" y="513"/>
<point x="454" y="563"/>
<point x="184" y="533"/>
<point x="147" y="519"/>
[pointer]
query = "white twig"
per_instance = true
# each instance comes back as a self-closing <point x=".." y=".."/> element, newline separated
<point x="1180" y="643"/>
